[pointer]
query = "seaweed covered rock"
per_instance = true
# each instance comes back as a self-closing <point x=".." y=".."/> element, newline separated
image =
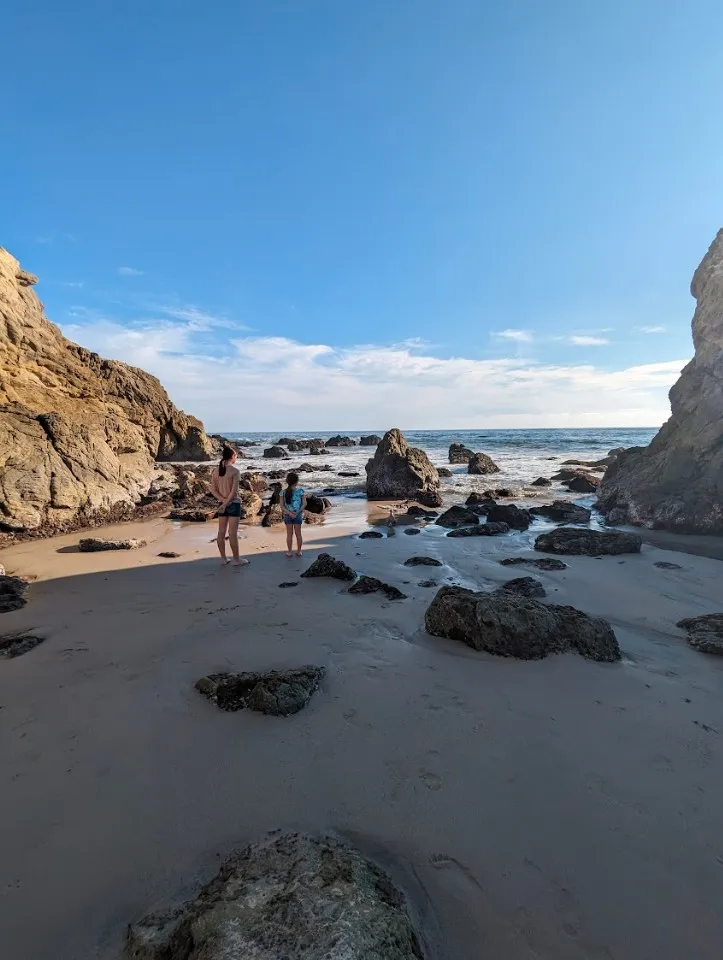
<point x="278" y="692"/>
<point x="400" y="472"/>
<point x="288" y="896"/>
<point x="513" y="626"/>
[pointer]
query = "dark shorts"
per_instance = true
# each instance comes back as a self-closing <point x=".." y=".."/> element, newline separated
<point x="292" y="521"/>
<point x="232" y="510"/>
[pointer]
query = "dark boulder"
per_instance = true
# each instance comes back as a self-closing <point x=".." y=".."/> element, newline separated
<point x="705" y="633"/>
<point x="288" y="896"/>
<point x="347" y="473"/>
<point x="339" y="441"/>
<point x="562" y="511"/>
<point x="371" y="440"/>
<point x="514" y="517"/>
<point x="542" y="482"/>
<point x="317" y="504"/>
<point x="515" y="626"/>
<point x="422" y="562"/>
<point x="16" y="644"/>
<point x="504" y="493"/>
<point x="543" y="563"/>
<point x="327" y="566"/>
<point x="278" y="692"/>
<point x="318" y="452"/>
<point x="524" y="587"/>
<point x="591" y="543"/>
<point x="583" y="483"/>
<point x="480" y="503"/>
<point x="481" y="530"/>
<point x="276" y="453"/>
<point x="415" y="511"/>
<point x="458" y="453"/>
<point x="400" y="472"/>
<point x="13" y="593"/>
<point x="457" y="516"/>
<point x="372" y="585"/>
<point x="412" y="531"/>
<point x="444" y="472"/>
<point x="169" y="554"/>
<point x="371" y="535"/>
<point x="481" y="464"/>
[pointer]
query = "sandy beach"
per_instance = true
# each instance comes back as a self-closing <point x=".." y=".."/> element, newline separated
<point x="557" y="808"/>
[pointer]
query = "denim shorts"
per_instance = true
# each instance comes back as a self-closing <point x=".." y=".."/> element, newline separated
<point x="232" y="510"/>
<point x="292" y="521"/>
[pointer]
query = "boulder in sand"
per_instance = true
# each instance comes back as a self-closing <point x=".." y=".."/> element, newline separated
<point x="481" y="530"/>
<point x="422" y="562"/>
<point x="562" y="511"/>
<point x="676" y="483"/>
<point x="278" y="692"/>
<point x="458" y="453"/>
<point x="591" y="543"/>
<point x="524" y="587"/>
<point x="515" y="626"/>
<point x="13" y="593"/>
<point x="169" y="554"/>
<point x="457" y="517"/>
<point x="372" y="585"/>
<point x="98" y="544"/>
<point x="327" y="566"/>
<point x="705" y="633"/>
<point x="400" y="472"/>
<point x="481" y="464"/>
<point x="515" y="517"/>
<point x="253" y="481"/>
<point x="288" y="896"/>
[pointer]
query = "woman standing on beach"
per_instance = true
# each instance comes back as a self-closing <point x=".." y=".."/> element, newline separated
<point x="224" y="487"/>
<point x="293" y="504"/>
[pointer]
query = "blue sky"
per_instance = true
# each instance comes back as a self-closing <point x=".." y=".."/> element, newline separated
<point x="332" y="214"/>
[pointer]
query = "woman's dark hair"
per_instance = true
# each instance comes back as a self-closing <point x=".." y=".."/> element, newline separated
<point x="227" y="454"/>
<point x="291" y="480"/>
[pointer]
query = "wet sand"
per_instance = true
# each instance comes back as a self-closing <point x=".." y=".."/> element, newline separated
<point x="556" y="809"/>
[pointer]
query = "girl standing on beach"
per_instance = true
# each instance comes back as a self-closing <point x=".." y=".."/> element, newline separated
<point x="224" y="487"/>
<point x="293" y="504"/>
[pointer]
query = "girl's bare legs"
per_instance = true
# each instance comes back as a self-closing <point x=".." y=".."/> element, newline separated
<point x="289" y="539"/>
<point x="233" y="538"/>
<point x="299" y="539"/>
<point x="221" y="538"/>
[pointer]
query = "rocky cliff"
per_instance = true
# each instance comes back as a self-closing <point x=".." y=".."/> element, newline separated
<point x="78" y="434"/>
<point x="677" y="482"/>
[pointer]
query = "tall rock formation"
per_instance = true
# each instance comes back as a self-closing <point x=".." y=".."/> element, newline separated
<point x="400" y="472"/>
<point x="677" y="482"/>
<point x="78" y="434"/>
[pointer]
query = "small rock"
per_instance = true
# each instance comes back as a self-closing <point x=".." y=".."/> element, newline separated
<point x="289" y="583"/>
<point x="544" y="563"/>
<point x="13" y="593"/>
<point x="169" y="554"/>
<point x="542" y="482"/>
<point x="667" y="565"/>
<point x="371" y="440"/>
<point x="593" y="543"/>
<point x="444" y="471"/>
<point x="415" y="511"/>
<point x="422" y="562"/>
<point x="327" y="566"/>
<point x="97" y="544"/>
<point x="372" y="585"/>
<point x="583" y="483"/>
<point x="276" y="453"/>
<point x="705" y="633"/>
<point x="16" y="644"/>
<point x="345" y="473"/>
<point x="278" y="692"/>
<point x="481" y="530"/>
<point x="563" y="511"/>
<point x="525" y="587"/>
<point x="428" y="583"/>
<point x="412" y="531"/>
<point x="371" y="535"/>
<point x="192" y="515"/>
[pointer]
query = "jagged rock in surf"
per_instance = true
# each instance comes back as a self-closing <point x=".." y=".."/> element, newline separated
<point x="400" y="472"/>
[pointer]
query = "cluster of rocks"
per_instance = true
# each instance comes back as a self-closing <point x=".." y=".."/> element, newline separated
<point x="477" y="463"/>
<point x="327" y="566"/>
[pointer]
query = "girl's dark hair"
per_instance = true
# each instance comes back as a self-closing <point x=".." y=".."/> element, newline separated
<point x="226" y="455"/>
<point x="291" y="480"/>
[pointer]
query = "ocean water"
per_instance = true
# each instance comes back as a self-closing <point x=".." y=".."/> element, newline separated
<point x="522" y="455"/>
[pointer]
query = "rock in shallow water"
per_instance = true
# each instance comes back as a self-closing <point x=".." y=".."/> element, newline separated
<point x="481" y="464"/>
<point x="412" y="531"/>
<point x="98" y="544"/>
<point x="289" y="896"/>
<point x="562" y="511"/>
<point x="422" y="562"/>
<point x="372" y="585"/>
<point x="278" y="692"/>
<point x="13" y="592"/>
<point x="371" y="535"/>
<point x="400" y="472"/>
<point x="510" y="514"/>
<point x="704" y="633"/>
<point x="481" y="530"/>
<point x="457" y="516"/>
<point x="592" y="543"/>
<point x="327" y="566"/>
<point x="514" y="626"/>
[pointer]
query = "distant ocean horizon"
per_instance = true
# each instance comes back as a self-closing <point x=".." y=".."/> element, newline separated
<point x="522" y="454"/>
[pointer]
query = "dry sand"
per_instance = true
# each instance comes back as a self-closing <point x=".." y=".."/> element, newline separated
<point x="554" y="809"/>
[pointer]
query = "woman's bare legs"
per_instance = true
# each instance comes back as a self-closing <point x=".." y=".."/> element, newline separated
<point x="299" y="539"/>
<point x="289" y="539"/>
<point x="233" y="537"/>
<point x="221" y="538"/>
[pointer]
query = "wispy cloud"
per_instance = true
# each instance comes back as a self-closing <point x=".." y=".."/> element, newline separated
<point x="651" y="329"/>
<point x="45" y="238"/>
<point x="583" y="340"/>
<point x="77" y="284"/>
<point x="129" y="272"/>
<point x="521" y="336"/>
<point x="280" y="383"/>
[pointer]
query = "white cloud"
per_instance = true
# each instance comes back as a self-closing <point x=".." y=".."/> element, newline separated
<point x="129" y="272"/>
<point x="651" y="329"/>
<point x="521" y="336"/>
<point x="77" y="284"/>
<point x="280" y="384"/>
<point x="579" y="340"/>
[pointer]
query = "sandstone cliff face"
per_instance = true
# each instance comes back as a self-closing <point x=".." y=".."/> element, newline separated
<point x="677" y="482"/>
<point x="78" y="434"/>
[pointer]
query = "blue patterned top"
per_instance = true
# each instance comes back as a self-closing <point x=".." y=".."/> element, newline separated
<point x="296" y="498"/>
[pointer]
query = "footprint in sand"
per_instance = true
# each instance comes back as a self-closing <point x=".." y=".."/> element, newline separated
<point x="430" y="780"/>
